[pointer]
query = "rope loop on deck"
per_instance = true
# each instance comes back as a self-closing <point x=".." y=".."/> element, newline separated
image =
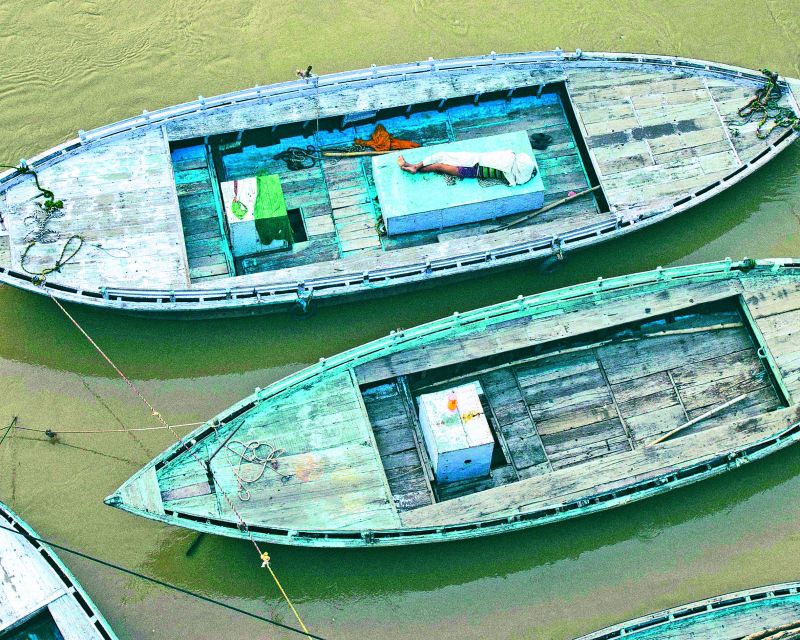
<point x="249" y="454"/>
<point x="40" y="276"/>
<point x="41" y="233"/>
<point x="764" y="105"/>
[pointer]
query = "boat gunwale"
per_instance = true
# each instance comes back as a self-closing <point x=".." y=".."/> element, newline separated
<point x="62" y="572"/>
<point x="693" y="609"/>
<point x="535" y="305"/>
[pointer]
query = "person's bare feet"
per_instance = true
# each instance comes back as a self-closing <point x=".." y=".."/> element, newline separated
<point x="407" y="166"/>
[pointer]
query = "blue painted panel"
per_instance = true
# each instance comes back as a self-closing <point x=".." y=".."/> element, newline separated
<point x="415" y="202"/>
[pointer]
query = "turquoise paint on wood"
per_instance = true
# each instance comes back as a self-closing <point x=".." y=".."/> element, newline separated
<point x="421" y="201"/>
<point x="727" y="617"/>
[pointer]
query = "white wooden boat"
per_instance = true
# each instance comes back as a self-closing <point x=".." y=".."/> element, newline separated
<point x="148" y="223"/>
<point x="764" y="613"/>
<point x="39" y="597"/>
<point x="588" y="397"/>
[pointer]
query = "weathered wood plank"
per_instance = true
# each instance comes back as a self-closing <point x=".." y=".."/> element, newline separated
<point x="613" y="470"/>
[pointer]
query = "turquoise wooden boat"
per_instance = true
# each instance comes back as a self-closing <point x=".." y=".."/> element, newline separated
<point x="520" y="414"/>
<point x="765" y="613"/>
<point x="39" y="597"/>
<point x="156" y="217"/>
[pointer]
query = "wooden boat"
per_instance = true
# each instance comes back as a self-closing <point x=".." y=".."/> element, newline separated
<point x="39" y="597"/>
<point x="765" y="613"/>
<point x="148" y="222"/>
<point x="581" y="390"/>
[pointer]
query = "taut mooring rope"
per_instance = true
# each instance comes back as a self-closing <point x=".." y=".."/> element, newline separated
<point x="263" y="555"/>
<point x="160" y="583"/>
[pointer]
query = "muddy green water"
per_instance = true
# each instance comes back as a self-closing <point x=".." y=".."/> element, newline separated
<point x="71" y="64"/>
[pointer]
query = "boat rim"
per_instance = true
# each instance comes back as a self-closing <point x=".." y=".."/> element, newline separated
<point x="693" y="609"/>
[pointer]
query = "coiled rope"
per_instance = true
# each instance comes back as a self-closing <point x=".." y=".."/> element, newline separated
<point x="297" y="158"/>
<point x="765" y="106"/>
<point x="242" y="525"/>
<point x="41" y="233"/>
<point x="40" y="276"/>
<point x="249" y="453"/>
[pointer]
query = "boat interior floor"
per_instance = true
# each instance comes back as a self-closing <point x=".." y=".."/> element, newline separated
<point x="336" y="197"/>
<point x="582" y="399"/>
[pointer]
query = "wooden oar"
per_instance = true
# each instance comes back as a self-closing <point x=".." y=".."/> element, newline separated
<point x="351" y="154"/>
<point x="552" y="205"/>
<point x="694" y="421"/>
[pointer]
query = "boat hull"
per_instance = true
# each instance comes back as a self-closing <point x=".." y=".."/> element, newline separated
<point x="52" y="593"/>
<point x="591" y="503"/>
<point x="394" y="271"/>
<point x="154" y="494"/>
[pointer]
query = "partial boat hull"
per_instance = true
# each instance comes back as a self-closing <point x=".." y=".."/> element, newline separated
<point x="38" y="594"/>
<point x="733" y="616"/>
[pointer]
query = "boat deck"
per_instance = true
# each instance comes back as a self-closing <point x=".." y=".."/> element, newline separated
<point x="338" y="201"/>
<point x="326" y="450"/>
<point x="652" y="141"/>
<point x="605" y="395"/>
<point x="120" y="198"/>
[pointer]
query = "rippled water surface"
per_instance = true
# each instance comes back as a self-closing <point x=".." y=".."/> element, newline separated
<point x="72" y="65"/>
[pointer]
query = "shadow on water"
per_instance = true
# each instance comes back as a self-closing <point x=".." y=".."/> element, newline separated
<point x="162" y="349"/>
<point x="227" y="568"/>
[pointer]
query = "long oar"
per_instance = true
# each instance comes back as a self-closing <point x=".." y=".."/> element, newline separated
<point x="351" y="154"/>
<point x="694" y="421"/>
<point x="552" y="205"/>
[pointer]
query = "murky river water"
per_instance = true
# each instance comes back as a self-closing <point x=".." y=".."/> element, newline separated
<point x="71" y="64"/>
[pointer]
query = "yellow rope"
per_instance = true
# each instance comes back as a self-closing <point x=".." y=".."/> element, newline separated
<point x="265" y="562"/>
<point x="263" y="555"/>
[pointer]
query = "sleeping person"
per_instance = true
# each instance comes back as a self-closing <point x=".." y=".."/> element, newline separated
<point x="515" y="168"/>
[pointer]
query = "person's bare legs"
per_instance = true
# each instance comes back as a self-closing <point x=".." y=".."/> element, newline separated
<point x="436" y="167"/>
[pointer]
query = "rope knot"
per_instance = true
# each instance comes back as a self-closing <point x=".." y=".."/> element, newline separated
<point x="265" y="560"/>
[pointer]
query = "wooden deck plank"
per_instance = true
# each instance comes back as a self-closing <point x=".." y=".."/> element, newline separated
<point x="392" y="423"/>
<point x="628" y="361"/>
<point x="524" y="333"/>
<point x="612" y="470"/>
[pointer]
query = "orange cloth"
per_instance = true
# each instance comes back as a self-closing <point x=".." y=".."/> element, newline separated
<point x="382" y="140"/>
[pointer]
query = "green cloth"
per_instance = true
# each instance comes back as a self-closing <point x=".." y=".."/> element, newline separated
<point x="269" y="211"/>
